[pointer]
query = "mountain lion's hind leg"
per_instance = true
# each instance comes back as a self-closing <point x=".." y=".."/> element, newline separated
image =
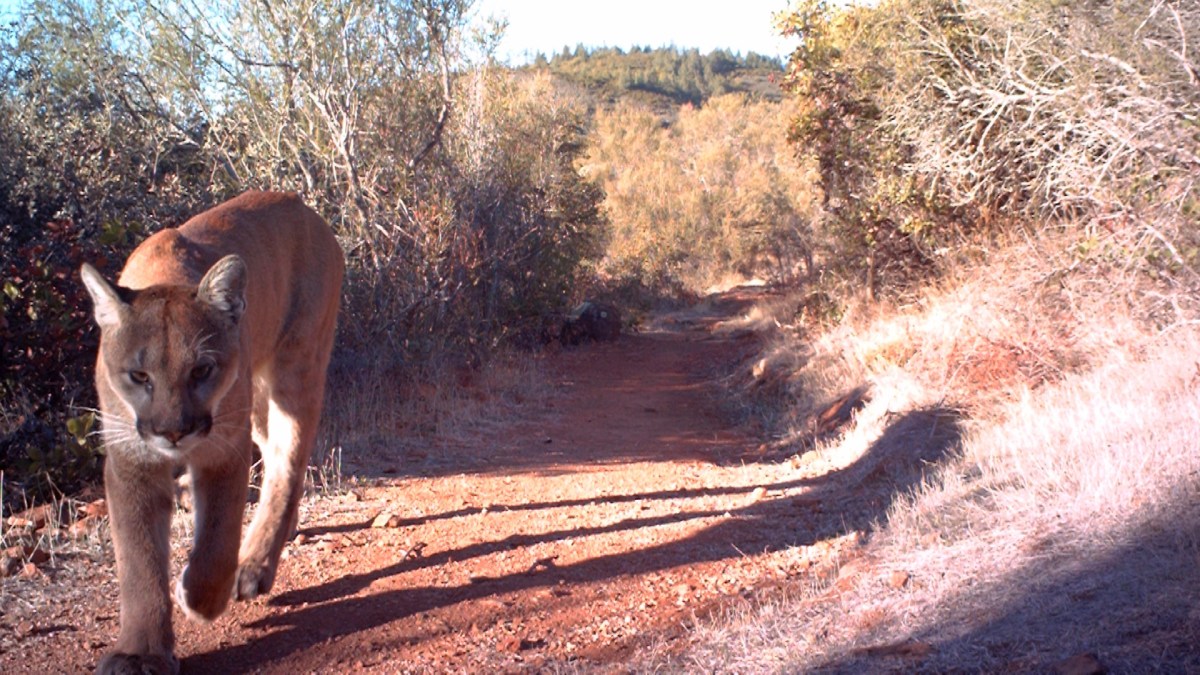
<point x="292" y="411"/>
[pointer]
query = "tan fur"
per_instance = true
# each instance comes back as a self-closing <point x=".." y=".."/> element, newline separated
<point x="216" y="338"/>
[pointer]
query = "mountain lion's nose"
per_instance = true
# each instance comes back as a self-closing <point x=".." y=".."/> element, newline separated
<point x="180" y="429"/>
<point x="174" y="436"/>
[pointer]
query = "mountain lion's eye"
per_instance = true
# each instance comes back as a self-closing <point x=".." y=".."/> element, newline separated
<point x="139" y="377"/>
<point x="201" y="372"/>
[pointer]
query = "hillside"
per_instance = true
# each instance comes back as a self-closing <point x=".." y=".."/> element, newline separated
<point x="665" y="77"/>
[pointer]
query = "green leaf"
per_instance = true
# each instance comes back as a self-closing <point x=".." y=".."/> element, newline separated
<point x="114" y="233"/>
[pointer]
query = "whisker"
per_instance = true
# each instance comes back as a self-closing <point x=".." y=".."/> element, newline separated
<point x="227" y="413"/>
<point x="226" y="446"/>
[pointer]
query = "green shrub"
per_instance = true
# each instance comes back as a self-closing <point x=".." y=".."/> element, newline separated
<point x="713" y="193"/>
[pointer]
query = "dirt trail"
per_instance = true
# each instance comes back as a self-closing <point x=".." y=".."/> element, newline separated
<point x="597" y="525"/>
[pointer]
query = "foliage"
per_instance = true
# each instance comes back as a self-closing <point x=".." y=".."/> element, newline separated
<point x="499" y="243"/>
<point x="47" y="347"/>
<point x="713" y="194"/>
<point x="931" y="119"/>
<point x="459" y="205"/>
<point x="841" y="75"/>
<point x="84" y="172"/>
<point x="1049" y="109"/>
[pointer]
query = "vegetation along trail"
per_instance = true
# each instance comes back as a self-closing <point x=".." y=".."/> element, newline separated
<point x="599" y="524"/>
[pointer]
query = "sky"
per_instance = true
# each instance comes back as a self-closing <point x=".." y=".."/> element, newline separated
<point x="547" y="25"/>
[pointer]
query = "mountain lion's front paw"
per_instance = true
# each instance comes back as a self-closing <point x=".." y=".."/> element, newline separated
<point x="253" y="579"/>
<point x="198" y="601"/>
<point x="138" y="664"/>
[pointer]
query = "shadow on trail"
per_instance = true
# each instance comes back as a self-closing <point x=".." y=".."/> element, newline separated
<point x="348" y="585"/>
<point x="853" y="499"/>
<point x="682" y="493"/>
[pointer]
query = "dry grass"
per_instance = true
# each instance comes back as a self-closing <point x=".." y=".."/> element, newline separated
<point x="63" y="532"/>
<point x="1066" y="521"/>
<point x="378" y="413"/>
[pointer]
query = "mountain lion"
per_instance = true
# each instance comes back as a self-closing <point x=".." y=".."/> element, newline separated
<point x="215" y="339"/>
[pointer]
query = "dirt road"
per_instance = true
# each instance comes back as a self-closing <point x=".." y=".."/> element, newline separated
<point x="597" y="525"/>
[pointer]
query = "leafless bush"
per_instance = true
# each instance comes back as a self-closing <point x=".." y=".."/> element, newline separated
<point x="934" y="119"/>
<point x="1060" y="112"/>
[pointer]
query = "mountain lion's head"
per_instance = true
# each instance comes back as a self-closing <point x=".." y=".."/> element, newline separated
<point x="169" y="354"/>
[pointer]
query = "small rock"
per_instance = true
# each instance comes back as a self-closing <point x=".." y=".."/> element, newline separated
<point x="19" y="523"/>
<point x="9" y="566"/>
<point x="386" y="519"/>
<point x="30" y="571"/>
<point x="759" y="369"/>
<point x="413" y="551"/>
<point x="81" y="528"/>
<point x="909" y="648"/>
<point x="898" y="579"/>
<point x="848" y="574"/>
<point x="36" y="555"/>
<point x="1080" y="664"/>
<point x="96" y="509"/>
<point x="512" y="644"/>
<point x="301" y="539"/>
<point x="509" y="645"/>
<point x="36" y="518"/>
<point x="758" y="494"/>
<point x="183" y="493"/>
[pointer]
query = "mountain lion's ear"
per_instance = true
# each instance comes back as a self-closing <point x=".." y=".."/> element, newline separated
<point x="109" y="307"/>
<point x="224" y="287"/>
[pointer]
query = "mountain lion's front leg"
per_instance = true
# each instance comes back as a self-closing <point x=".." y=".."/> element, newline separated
<point x="219" y="498"/>
<point x="140" y="501"/>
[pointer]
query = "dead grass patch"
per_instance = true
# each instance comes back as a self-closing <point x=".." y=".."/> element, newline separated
<point x="381" y="414"/>
<point x="1037" y="434"/>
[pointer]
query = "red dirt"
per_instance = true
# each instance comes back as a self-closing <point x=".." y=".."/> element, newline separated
<point x="597" y="525"/>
